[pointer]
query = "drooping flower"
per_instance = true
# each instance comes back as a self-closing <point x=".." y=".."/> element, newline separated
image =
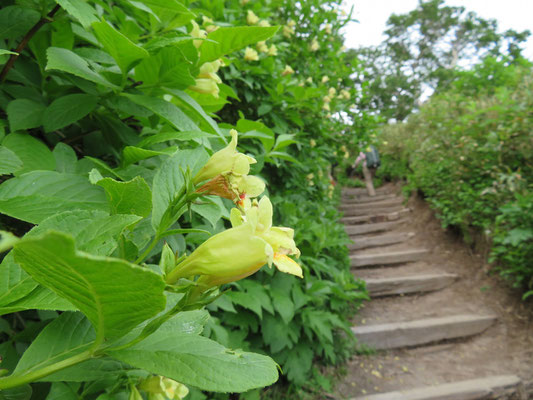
<point x="197" y="33"/>
<point x="251" y="18"/>
<point x="287" y="71"/>
<point x="250" y="54"/>
<point x="161" y="388"/>
<point x="206" y="86"/>
<point x="262" y="46"/>
<point x="272" y="50"/>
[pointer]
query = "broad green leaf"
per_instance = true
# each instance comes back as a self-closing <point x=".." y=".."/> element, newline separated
<point x="283" y="305"/>
<point x="115" y="295"/>
<point x="68" y="109"/>
<point x="200" y="362"/>
<point x="80" y="10"/>
<point x="16" y="21"/>
<point x="284" y="141"/>
<point x="18" y="393"/>
<point x="32" y="152"/>
<point x="68" y="61"/>
<point x="9" y="162"/>
<point x="170" y="10"/>
<point x="4" y="52"/>
<point x="66" y="336"/>
<point x="211" y="209"/>
<point x="7" y="240"/>
<point x="133" y="154"/>
<point x="226" y="40"/>
<point x="132" y="197"/>
<point x="61" y="391"/>
<point x="282" y="155"/>
<point x="39" y="298"/>
<point x="168" y="180"/>
<point x="246" y="300"/>
<point x="65" y="157"/>
<point x="37" y="195"/>
<point x="62" y="35"/>
<point x="166" y="110"/>
<point x="24" y="114"/>
<point x="168" y="67"/>
<point x="123" y="50"/>
<point x="194" y="109"/>
<point x="166" y="136"/>
<point x="15" y="283"/>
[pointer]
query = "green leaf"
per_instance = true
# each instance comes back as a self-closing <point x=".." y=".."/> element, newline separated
<point x="124" y="51"/>
<point x="4" y="52"/>
<point x="132" y="197"/>
<point x="226" y="40"/>
<point x="200" y="362"/>
<point x="7" y="240"/>
<point x="80" y="10"/>
<point x="40" y="298"/>
<point x="61" y="391"/>
<point x="32" y="152"/>
<point x="115" y="295"/>
<point x="246" y="300"/>
<point x="166" y="136"/>
<point x="165" y="110"/>
<point x="9" y="162"/>
<point x="282" y="155"/>
<point x="24" y="114"/>
<point x="133" y="154"/>
<point x="18" y="393"/>
<point x="299" y="363"/>
<point x="15" y="21"/>
<point x="283" y="305"/>
<point x="68" y="109"/>
<point x="212" y="209"/>
<point x="168" y="179"/>
<point x="68" y="61"/>
<point x="170" y="10"/>
<point x="66" y="336"/>
<point x="37" y="195"/>
<point x="65" y="157"/>
<point x="14" y="282"/>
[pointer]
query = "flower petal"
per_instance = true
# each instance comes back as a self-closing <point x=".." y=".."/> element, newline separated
<point x="287" y="265"/>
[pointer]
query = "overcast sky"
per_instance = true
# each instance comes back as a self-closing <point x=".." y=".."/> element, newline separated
<point x="373" y="14"/>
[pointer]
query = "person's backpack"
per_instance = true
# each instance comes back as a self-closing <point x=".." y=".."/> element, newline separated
<point x="372" y="158"/>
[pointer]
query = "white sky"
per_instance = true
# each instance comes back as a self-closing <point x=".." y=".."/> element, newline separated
<point x="373" y="14"/>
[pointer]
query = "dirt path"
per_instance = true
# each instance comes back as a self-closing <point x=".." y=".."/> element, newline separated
<point x="441" y="320"/>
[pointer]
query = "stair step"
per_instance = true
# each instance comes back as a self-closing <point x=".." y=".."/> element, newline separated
<point x="395" y="257"/>
<point x="382" y="240"/>
<point x="362" y="191"/>
<point x="356" y="211"/>
<point x="369" y="228"/>
<point x="393" y="216"/>
<point x="408" y="284"/>
<point x="493" y="387"/>
<point x="421" y="332"/>
<point x="378" y="204"/>
<point x="370" y="199"/>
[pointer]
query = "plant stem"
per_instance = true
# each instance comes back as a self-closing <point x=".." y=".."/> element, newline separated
<point x="147" y="251"/>
<point x="25" y="41"/>
<point x="13" y="381"/>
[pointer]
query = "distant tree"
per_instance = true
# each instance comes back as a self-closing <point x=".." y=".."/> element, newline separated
<point x="423" y="48"/>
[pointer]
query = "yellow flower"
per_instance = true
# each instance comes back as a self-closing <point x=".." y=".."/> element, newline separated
<point x="206" y="20"/>
<point x="251" y="18"/>
<point x="208" y="70"/>
<point x="206" y="86"/>
<point x="326" y="107"/>
<point x="287" y="71"/>
<point x="332" y="91"/>
<point x="250" y="54"/>
<point x="312" y="142"/>
<point x="264" y="23"/>
<point x="309" y="80"/>
<point x="244" y="2"/>
<point x="327" y="28"/>
<point x="325" y="79"/>
<point x="346" y="155"/>
<point x="291" y="23"/>
<point x="345" y="94"/>
<point x="242" y="250"/>
<point x="211" y="28"/>
<point x="326" y="99"/>
<point x="273" y="50"/>
<point x="197" y="33"/>
<point x="310" y="176"/>
<point x="227" y="174"/>
<point x="262" y="47"/>
<point x="159" y="387"/>
<point x="314" y="45"/>
<point x="288" y="30"/>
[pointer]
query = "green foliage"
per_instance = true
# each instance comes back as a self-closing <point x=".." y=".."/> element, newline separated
<point x="469" y="151"/>
<point x="107" y="115"/>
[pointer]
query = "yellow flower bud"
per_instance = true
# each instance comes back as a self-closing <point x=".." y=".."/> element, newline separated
<point x="326" y="99"/>
<point x="326" y="107"/>
<point x="262" y="47"/>
<point x="325" y="79"/>
<point x="251" y="18"/>
<point x="159" y="386"/>
<point x="250" y="54"/>
<point x="288" y="31"/>
<point x="287" y="71"/>
<point x="291" y="23"/>
<point x="197" y="33"/>
<point x="272" y="50"/>
<point x="206" y="20"/>
<point x="206" y="86"/>
<point x="211" y="28"/>
<point x="332" y="91"/>
<point x="264" y="23"/>
<point x="327" y="29"/>
<point x="309" y="80"/>
<point x="312" y="142"/>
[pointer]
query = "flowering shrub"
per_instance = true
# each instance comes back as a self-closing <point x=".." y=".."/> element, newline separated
<point x="119" y="187"/>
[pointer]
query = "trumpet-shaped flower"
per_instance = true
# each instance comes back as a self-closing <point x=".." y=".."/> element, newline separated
<point x="287" y="71"/>
<point x="209" y="70"/>
<point x="161" y="388"/>
<point x="251" y="18"/>
<point x="197" y="33"/>
<point x="206" y="86"/>
<point x="250" y="54"/>
<point x="242" y="250"/>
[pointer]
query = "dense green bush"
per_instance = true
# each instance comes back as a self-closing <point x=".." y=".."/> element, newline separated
<point x="469" y="150"/>
<point x="109" y="113"/>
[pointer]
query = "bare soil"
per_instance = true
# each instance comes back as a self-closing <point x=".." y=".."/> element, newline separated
<point x="505" y="348"/>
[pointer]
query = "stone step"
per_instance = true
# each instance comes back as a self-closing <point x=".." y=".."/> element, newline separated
<point x="370" y="199"/>
<point x="382" y="240"/>
<point x="493" y="387"/>
<point x="408" y="284"/>
<point x="353" y="230"/>
<point x="420" y="332"/>
<point x="356" y="211"/>
<point x="377" y="204"/>
<point x="393" y="257"/>
<point x="393" y="216"/>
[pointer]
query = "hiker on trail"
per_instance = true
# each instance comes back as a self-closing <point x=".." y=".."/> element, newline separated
<point x="371" y="162"/>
